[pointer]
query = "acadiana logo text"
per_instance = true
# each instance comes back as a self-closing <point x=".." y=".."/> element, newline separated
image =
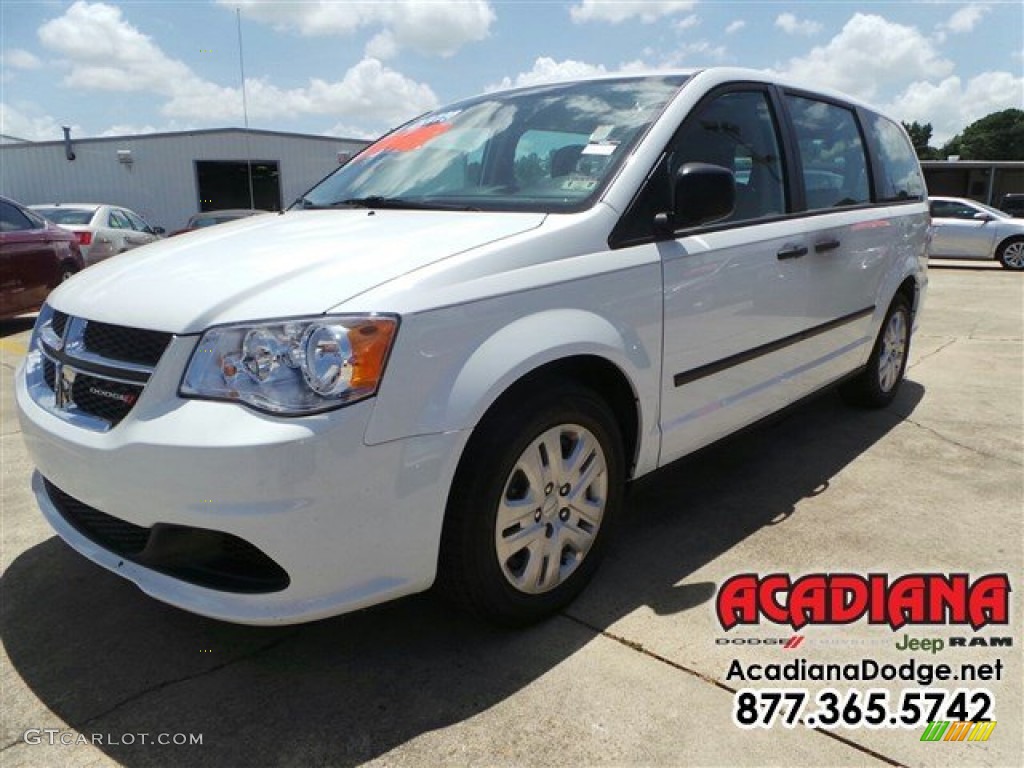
<point x="844" y="598"/>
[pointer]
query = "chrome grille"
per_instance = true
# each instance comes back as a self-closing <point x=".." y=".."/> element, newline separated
<point x="90" y="373"/>
<point x="59" y="323"/>
<point x="130" y="345"/>
<point x="104" y="398"/>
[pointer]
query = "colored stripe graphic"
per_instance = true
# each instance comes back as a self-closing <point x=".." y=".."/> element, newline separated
<point x="794" y="641"/>
<point x="982" y="731"/>
<point x="934" y="731"/>
<point x="944" y="730"/>
<point x="957" y="731"/>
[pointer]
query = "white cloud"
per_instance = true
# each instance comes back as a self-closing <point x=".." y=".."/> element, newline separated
<point x="104" y="52"/>
<point x="687" y="22"/>
<point x="791" y="25"/>
<point x="348" y="131"/>
<point x="950" y="105"/>
<point x="382" y="46"/>
<point x="648" y="11"/>
<point x="18" y="58"/>
<point x="369" y="92"/>
<point x="24" y="125"/>
<point x="547" y="70"/>
<point x="966" y="18"/>
<point x="700" y="48"/>
<point x="438" y="27"/>
<point x="870" y="55"/>
<point x="735" y="27"/>
<point x="107" y="53"/>
<point x="132" y="129"/>
<point x="963" y="20"/>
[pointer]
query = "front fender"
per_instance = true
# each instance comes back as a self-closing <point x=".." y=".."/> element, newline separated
<point x="440" y="389"/>
<point x="530" y="343"/>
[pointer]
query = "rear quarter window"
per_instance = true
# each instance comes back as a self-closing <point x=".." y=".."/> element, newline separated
<point x="899" y="177"/>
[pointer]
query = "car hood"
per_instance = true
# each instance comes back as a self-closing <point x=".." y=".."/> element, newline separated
<point x="297" y="263"/>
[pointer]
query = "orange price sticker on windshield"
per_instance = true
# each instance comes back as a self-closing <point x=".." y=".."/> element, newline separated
<point x="405" y="141"/>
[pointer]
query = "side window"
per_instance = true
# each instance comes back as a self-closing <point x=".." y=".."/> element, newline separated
<point x="900" y="175"/>
<point x="118" y="220"/>
<point x="554" y="157"/>
<point x="832" y="159"/>
<point x="944" y="209"/>
<point x="137" y="224"/>
<point x="737" y="131"/>
<point x="13" y="220"/>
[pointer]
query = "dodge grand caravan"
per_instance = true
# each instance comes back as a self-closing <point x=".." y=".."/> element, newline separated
<point x="447" y="359"/>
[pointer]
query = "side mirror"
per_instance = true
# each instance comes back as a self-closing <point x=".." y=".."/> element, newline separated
<point x="983" y="216"/>
<point x="159" y="231"/>
<point x="701" y="194"/>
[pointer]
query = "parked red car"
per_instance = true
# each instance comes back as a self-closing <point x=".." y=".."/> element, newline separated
<point x="35" y="255"/>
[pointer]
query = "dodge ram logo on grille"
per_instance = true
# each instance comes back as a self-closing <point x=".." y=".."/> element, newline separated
<point x="122" y="397"/>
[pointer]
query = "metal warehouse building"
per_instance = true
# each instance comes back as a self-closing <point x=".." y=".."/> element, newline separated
<point x="167" y="177"/>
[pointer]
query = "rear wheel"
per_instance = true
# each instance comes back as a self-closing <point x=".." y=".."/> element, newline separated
<point x="1011" y="254"/>
<point x="876" y="386"/>
<point x="67" y="271"/>
<point x="533" y="505"/>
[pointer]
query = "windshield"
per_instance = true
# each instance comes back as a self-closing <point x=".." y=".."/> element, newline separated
<point x="549" y="149"/>
<point x="67" y="215"/>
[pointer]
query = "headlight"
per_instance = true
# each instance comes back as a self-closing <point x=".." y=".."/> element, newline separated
<point x="292" y="367"/>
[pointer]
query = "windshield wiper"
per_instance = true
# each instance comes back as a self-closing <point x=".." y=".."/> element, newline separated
<point x="398" y="203"/>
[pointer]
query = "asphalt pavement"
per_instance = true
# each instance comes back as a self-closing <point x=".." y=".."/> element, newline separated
<point x="635" y="672"/>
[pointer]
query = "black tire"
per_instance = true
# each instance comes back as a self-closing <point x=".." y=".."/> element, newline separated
<point x="67" y="271"/>
<point x="877" y="385"/>
<point x="516" y="587"/>
<point x="1011" y="254"/>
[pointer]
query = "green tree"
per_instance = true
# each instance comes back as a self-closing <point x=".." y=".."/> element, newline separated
<point x="920" y="136"/>
<point x="999" y="136"/>
<point x="529" y="169"/>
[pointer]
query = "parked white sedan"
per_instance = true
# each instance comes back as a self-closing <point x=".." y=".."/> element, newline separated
<point x="966" y="229"/>
<point x="102" y="230"/>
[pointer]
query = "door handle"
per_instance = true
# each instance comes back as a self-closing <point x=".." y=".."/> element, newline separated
<point x="826" y="245"/>
<point x="792" y="252"/>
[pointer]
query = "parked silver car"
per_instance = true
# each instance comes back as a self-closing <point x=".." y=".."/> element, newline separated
<point x="966" y="229"/>
<point x="102" y="230"/>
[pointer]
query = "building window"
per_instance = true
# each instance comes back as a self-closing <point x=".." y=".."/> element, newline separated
<point x="224" y="184"/>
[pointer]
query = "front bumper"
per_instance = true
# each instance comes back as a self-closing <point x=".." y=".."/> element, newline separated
<point x="351" y="525"/>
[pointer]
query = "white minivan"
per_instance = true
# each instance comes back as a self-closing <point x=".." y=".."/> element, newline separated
<point x="447" y="359"/>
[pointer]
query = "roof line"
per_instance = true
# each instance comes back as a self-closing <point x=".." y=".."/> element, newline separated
<point x="197" y="132"/>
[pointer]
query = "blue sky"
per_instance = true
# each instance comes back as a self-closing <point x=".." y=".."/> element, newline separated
<point x="357" y="68"/>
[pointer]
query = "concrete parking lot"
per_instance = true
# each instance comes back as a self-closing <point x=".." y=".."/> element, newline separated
<point x="631" y="674"/>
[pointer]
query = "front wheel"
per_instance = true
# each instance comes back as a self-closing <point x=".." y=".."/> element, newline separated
<point x="533" y="504"/>
<point x="1011" y="255"/>
<point x="876" y="386"/>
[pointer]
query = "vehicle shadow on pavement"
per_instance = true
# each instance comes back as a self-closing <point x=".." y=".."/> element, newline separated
<point x="108" y="660"/>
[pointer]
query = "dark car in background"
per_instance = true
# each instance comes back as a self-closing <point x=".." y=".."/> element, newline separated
<point x="212" y="218"/>
<point x="35" y="255"/>
<point x="1013" y="204"/>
